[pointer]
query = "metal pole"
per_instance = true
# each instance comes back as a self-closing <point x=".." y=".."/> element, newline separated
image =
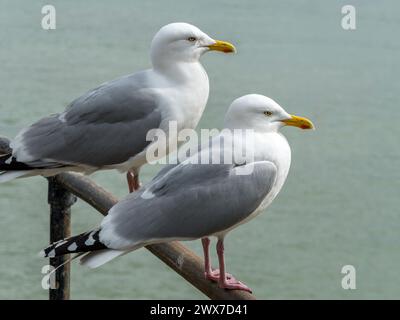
<point x="60" y="201"/>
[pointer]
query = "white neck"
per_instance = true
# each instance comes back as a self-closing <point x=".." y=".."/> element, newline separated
<point x="187" y="88"/>
<point x="181" y="72"/>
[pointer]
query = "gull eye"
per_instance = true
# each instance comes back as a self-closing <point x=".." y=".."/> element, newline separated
<point x="191" y="39"/>
<point x="268" y="113"/>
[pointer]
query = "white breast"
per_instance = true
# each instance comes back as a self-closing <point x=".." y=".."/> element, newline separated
<point x="272" y="147"/>
<point x="188" y="98"/>
<point x="275" y="148"/>
<point x="184" y="98"/>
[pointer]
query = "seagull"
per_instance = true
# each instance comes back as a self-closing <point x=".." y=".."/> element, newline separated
<point x="107" y="127"/>
<point x="190" y="200"/>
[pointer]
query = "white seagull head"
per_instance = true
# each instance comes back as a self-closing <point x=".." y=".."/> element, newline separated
<point x="183" y="42"/>
<point x="260" y="113"/>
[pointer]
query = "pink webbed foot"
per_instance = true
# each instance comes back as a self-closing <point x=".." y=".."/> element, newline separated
<point x="214" y="275"/>
<point x="233" y="284"/>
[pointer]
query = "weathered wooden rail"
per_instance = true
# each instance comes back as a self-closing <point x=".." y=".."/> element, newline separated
<point x="63" y="188"/>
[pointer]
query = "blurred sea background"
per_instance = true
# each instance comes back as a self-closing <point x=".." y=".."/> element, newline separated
<point x="340" y="204"/>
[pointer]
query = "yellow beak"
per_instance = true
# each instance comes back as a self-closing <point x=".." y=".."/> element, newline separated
<point x="222" y="46"/>
<point x="299" y="122"/>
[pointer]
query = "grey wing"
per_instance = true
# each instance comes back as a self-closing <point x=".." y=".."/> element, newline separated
<point x="188" y="202"/>
<point x="200" y="147"/>
<point x="105" y="126"/>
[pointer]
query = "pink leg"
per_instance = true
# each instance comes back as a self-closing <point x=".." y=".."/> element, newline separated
<point x="207" y="264"/>
<point x="130" y="179"/>
<point x="209" y="273"/>
<point x="133" y="181"/>
<point x="224" y="281"/>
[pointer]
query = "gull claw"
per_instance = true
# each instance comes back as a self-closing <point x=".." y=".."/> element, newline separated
<point x="229" y="283"/>
<point x="233" y="284"/>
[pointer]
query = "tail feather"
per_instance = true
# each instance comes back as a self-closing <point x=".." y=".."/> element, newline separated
<point x="67" y="261"/>
<point x="84" y="242"/>
<point x="9" y="163"/>
<point x="11" y="169"/>
<point x="98" y="258"/>
<point x="11" y="175"/>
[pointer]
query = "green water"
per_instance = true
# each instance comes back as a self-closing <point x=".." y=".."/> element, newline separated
<point x="340" y="203"/>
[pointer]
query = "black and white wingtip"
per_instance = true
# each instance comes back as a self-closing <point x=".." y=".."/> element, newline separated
<point x="85" y="242"/>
